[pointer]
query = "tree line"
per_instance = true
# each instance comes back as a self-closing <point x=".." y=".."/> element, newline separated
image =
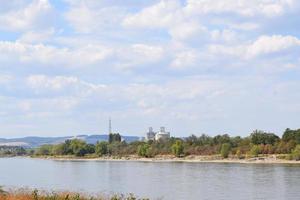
<point x="12" y="151"/>
<point x="258" y="142"/>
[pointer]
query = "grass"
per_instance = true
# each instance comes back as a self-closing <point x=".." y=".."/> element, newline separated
<point x="23" y="194"/>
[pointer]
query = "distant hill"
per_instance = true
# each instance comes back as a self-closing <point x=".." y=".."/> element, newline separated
<point x="34" y="141"/>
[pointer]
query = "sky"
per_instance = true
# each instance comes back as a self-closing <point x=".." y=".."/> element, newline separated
<point x="193" y="66"/>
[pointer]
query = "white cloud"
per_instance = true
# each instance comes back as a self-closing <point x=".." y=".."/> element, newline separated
<point x="263" y="45"/>
<point x="166" y="14"/>
<point x="37" y="36"/>
<point x="271" y="44"/>
<point x="247" y="26"/>
<point x="224" y="35"/>
<point x="138" y="54"/>
<point x="25" y="18"/>
<point x="89" y="17"/>
<point x="269" y="8"/>
<point x="184" y="59"/>
<point x="159" y="15"/>
<point x="188" y="31"/>
<point x="51" y="55"/>
<point x="56" y="83"/>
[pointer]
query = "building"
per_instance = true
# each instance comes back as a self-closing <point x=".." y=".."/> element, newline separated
<point x="150" y="134"/>
<point x="158" y="136"/>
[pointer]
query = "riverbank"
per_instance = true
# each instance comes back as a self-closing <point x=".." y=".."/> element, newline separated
<point x="26" y="194"/>
<point x="269" y="159"/>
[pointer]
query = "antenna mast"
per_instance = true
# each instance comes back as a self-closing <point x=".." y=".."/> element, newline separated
<point x="109" y="126"/>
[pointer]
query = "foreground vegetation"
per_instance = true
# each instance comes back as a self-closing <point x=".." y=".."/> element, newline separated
<point x="36" y="195"/>
<point x="257" y="143"/>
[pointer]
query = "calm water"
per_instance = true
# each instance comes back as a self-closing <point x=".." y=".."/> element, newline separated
<point x="186" y="181"/>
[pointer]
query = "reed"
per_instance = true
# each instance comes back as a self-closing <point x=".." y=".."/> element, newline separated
<point x="25" y="194"/>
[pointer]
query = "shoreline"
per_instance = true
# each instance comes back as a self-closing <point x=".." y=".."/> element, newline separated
<point x="271" y="159"/>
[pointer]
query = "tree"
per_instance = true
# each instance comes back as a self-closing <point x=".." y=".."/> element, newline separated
<point x="90" y="148"/>
<point x="261" y="137"/>
<point x="225" y="149"/>
<point x="221" y="139"/>
<point x="114" y="137"/>
<point x="78" y="147"/>
<point x="291" y="135"/>
<point x="177" y="148"/>
<point x="59" y="149"/>
<point x="101" y="148"/>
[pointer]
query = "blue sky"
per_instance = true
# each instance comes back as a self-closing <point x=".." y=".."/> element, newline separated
<point x="194" y="66"/>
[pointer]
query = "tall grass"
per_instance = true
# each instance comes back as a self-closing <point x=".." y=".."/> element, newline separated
<point x="23" y="194"/>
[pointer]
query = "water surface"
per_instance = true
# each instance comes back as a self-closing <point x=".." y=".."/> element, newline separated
<point x="159" y="180"/>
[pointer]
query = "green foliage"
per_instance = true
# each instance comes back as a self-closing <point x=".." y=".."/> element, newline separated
<point x="12" y="151"/>
<point x="101" y="148"/>
<point x="225" y="150"/>
<point x="239" y="154"/>
<point x="178" y="148"/>
<point x="221" y="139"/>
<point x="255" y="150"/>
<point x="78" y="147"/>
<point x="114" y="137"/>
<point x="296" y="153"/>
<point x="259" y="142"/>
<point x="90" y="148"/>
<point x="59" y="149"/>
<point x="261" y="137"/>
<point x="44" y="150"/>
<point x="144" y="150"/>
<point x="291" y="135"/>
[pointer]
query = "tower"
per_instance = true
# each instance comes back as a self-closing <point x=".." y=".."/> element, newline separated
<point x="109" y="126"/>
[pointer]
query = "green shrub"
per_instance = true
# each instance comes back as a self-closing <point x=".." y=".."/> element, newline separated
<point x="144" y="150"/>
<point x="177" y="148"/>
<point x="101" y="148"/>
<point x="255" y="150"/>
<point x="238" y="154"/>
<point x="296" y="153"/>
<point x="225" y="150"/>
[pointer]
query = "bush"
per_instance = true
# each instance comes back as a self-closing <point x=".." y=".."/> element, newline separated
<point x="144" y="150"/>
<point x="44" y="150"/>
<point x="296" y="153"/>
<point x="238" y="154"/>
<point x="225" y="149"/>
<point x="79" y="147"/>
<point x="178" y="148"/>
<point x="255" y="150"/>
<point x="101" y="148"/>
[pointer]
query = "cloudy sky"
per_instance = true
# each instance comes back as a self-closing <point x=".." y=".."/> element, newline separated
<point x="194" y="66"/>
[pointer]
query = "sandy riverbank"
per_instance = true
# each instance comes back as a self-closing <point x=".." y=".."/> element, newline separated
<point x="270" y="159"/>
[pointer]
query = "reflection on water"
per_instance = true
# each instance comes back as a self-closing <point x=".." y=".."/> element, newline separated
<point x="155" y="180"/>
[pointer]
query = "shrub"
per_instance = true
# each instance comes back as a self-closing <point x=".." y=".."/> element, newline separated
<point x="296" y="153"/>
<point x="101" y="148"/>
<point x="225" y="149"/>
<point x="255" y="150"/>
<point x="238" y="154"/>
<point x="78" y="147"/>
<point x="177" y="148"/>
<point x="44" y="150"/>
<point x="144" y="150"/>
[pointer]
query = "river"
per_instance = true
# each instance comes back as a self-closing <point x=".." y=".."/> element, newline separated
<point x="155" y="180"/>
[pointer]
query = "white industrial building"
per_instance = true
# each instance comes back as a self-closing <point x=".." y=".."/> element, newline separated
<point x="157" y="136"/>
